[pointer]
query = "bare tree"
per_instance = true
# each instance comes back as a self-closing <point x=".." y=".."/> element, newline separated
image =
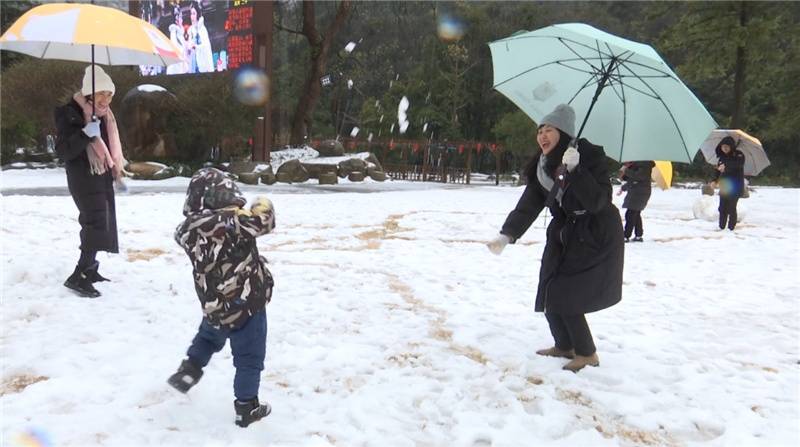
<point x="320" y="44"/>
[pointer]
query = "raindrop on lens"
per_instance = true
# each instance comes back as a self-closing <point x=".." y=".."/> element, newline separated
<point x="450" y="29"/>
<point x="251" y="87"/>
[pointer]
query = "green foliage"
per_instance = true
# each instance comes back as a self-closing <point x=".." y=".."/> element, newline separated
<point x="516" y="132"/>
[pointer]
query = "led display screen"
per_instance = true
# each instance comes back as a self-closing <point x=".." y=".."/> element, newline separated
<point x="212" y="35"/>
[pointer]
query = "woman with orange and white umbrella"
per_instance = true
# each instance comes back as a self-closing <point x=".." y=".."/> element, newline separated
<point x="92" y="153"/>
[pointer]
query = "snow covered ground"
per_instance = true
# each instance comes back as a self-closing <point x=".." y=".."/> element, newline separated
<point x="392" y="325"/>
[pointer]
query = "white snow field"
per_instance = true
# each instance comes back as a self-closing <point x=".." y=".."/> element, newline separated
<point x="392" y="325"/>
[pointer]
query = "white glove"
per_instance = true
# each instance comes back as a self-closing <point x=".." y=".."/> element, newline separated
<point x="92" y="129"/>
<point x="497" y="244"/>
<point x="571" y="158"/>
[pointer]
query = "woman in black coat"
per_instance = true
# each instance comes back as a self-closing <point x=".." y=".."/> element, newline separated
<point x="730" y="176"/>
<point x="636" y="175"/>
<point x="90" y="176"/>
<point x="581" y="269"/>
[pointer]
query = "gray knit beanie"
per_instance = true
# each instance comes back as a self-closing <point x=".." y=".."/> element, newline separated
<point x="563" y="117"/>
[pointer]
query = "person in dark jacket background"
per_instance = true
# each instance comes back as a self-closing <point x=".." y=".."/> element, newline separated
<point x="232" y="282"/>
<point x="582" y="263"/>
<point x="636" y="175"/>
<point x="730" y="177"/>
<point x="92" y="155"/>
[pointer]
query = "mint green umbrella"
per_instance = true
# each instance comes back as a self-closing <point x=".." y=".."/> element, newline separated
<point x="631" y="102"/>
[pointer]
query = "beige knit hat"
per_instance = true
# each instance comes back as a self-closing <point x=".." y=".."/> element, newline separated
<point x="102" y="81"/>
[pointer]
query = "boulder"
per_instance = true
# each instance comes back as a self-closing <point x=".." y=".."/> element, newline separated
<point x="295" y="170"/>
<point x="356" y="176"/>
<point x="328" y="178"/>
<point x="315" y="169"/>
<point x="330" y="148"/>
<point x="267" y="176"/>
<point x="376" y="174"/>
<point x="249" y="178"/>
<point x="351" y="165"/>
<point x="240" y="166"/>
<point x="283" y="177"/>
<point x="371" y="158"/>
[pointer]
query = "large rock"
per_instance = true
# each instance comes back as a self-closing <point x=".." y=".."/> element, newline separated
<point x="330" y="148"/>
<point x="376" y="174"/>
<point x="239" y="166"/>
<point x="351" y="165"/>
<point x="295" y="170"/>
<point x="356" y="176"/>
<point x="328" y="178"/>
<point x="316" y="169"/>
<point x="267" y="176"/>
<point x="283" y="177"/>
<point x="371" y="158"/>
<point x="249" y="178"/>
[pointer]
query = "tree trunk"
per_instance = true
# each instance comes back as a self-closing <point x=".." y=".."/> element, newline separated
<point x="737" y="119"/>
<point x="320" y="48"/>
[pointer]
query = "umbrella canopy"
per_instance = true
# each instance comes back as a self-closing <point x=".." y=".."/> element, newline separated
<point x="755" y="157"/>
<point x="662" y="174"/>
<point x="642" y="111"/>
<point x="68" y="31"/>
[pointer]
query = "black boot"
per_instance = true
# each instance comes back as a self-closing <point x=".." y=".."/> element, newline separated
<point x="186" y="377"/>
<point x="93" y="275"/>
<point x="250" y="411"/>
<point x="80" y="283"/>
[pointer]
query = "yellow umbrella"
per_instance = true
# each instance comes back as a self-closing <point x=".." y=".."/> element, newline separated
<point x="89" y="33"/>
<point x="662" y="174"/>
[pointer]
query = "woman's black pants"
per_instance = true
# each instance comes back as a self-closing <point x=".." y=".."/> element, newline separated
<point x="727" y="212"/>
<point x="571" y="332"/>
<point x="633" y="220"/>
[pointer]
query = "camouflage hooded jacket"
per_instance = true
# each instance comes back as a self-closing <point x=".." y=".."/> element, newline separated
<point x="219" y="236"/>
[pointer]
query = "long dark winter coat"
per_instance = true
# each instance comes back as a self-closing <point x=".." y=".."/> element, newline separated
<point x="637" y="184"/>
<point x="219" y="236"/>
<point x="93" y="194"/>
<point x="581" y="269"/>
<point x="732" y="180"/>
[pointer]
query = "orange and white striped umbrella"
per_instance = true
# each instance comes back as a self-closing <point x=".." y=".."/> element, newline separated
<point x="67" y="31"/>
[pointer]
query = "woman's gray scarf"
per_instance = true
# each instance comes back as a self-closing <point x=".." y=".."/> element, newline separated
<point x="545" y="180"/>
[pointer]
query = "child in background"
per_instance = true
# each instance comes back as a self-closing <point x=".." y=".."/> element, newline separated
<point x="232" y="282"/>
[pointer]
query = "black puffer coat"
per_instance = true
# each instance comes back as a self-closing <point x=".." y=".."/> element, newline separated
<point x="582" y="263"/>
<point x="93" y="194"/>
<point x="732" y="180"/>
<point x="637" y="184"/>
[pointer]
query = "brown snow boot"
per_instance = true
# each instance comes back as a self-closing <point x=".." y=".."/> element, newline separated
<point x="580" y="361"/>
<point x="555" y="352"/>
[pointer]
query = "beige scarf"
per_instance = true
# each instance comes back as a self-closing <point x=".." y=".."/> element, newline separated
<point x="101" y="159"/>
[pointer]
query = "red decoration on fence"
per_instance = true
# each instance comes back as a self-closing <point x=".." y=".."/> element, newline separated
<point x="479" y="147"/>
<point x="460" y="149"/>
<point x="493" y="147"/>
<point x="391" y="144"/>
<point x="415" y="147"/>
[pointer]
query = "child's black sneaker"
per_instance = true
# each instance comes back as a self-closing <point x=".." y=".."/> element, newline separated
<point x="187" y="376"/>
<point x="638" y="239"/>
<point x="250" y="411"/>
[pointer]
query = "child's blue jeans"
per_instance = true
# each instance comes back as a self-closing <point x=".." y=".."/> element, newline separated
<point x="248" y="345"/>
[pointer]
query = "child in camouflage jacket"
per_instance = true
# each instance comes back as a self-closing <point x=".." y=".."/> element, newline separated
<point x="232" y="282"/>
